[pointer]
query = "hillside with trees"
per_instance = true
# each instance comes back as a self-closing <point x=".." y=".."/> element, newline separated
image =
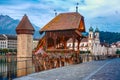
<point x="109" y="37"/>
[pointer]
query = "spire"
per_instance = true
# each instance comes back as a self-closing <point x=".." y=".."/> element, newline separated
<point x="55" y="12"/>
<point x="25" y="26"/>
<point x="77" y="7"/>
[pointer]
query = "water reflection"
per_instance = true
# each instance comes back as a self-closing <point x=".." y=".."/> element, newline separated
<point x="7" y="68"/>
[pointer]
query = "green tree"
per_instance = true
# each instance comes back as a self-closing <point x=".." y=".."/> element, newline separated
<point x="15" y="50"/>
<point x="10" y="50"/>
<point x="5" y="50"/>
<point x="117" y="51"/>
<point x="1" y="50"/>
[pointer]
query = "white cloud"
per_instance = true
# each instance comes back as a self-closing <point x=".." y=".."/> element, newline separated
<point x="41" y="12"/>
<point x="99" y="7"/>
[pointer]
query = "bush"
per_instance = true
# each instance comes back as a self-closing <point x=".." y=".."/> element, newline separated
<point x="117" y="51"/>
<point x="4" y="51"/>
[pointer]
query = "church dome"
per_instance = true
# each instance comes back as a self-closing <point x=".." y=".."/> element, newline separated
<point x="91" y="29"/>
<point x="96" y="30"/>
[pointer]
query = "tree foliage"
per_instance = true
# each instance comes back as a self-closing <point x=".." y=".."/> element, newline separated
<point x="109" y="37"/>
<point x="5" y="51"/>
<point x="117" y="51"/>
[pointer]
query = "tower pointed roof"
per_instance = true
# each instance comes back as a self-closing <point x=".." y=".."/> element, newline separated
<point x="25" y="27"/>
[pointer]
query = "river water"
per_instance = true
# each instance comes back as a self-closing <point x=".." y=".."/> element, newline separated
<point x="7" y="69"/>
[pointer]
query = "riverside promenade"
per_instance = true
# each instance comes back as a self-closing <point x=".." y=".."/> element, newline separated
<point x="95" y="70"/>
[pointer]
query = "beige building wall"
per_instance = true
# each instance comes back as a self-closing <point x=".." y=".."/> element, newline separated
<point x="24" y="53"/>
<point x="24" y="50"/>
<point x="35" y="43"/>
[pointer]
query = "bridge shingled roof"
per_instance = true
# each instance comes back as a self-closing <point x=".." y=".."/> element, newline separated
<point x="65" y="21"/>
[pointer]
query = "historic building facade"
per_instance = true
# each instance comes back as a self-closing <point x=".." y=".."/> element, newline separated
<point x="99" y="48"/>
<point x="3" y="41"/>
<point x="92" y="43"/>
<point x="87" y="42"/>
<point x="93" y="39"/>
<point x="8" y="41"/>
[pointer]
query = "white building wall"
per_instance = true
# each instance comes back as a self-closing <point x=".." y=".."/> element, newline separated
<point x="12" y="44"/>
<point x="3" y="44"/>
<point x="35" y="43"/>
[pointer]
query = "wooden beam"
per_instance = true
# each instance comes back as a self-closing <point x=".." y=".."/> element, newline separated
<point x="73" y="43"/>
<point x="78" y="45"/>
<point x="46" y="41"/>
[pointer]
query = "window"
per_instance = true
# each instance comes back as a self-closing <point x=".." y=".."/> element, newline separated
<point x="90" y="35"/>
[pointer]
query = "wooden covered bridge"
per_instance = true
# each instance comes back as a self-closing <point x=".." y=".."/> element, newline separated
<point x="57" y="32"/>
<point x="60" y="29"/>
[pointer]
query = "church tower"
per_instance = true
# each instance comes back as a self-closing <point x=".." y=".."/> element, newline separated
<point x="90" y="39"/>
<point x="97" y="40"/>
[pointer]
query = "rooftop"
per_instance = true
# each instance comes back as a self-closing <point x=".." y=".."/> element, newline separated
<point x="24" y="25"/>
<point x="9" y="37"/>
<point x="2" y="37"/>
<point x="84" y="39"/>
<point x="65" y="21"/>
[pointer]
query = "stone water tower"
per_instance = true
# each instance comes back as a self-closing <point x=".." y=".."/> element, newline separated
<point x="25" y="33"/>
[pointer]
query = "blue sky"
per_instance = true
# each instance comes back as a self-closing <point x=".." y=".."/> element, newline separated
<point x="104" y="14"/>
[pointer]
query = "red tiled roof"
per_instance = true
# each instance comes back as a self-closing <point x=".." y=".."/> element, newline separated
<point x="71" y="40"/>
<point x="65" y="21"/>
<point x="84" y="39"/>
<point x="78" y="32"/>
<point x="104" y="44"/>
<point x="2" y="37"/>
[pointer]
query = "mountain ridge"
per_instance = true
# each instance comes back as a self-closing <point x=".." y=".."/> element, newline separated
<point x="8" y="26"/>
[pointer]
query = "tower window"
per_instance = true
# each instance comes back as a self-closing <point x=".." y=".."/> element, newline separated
<point x="90" y="35"/>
